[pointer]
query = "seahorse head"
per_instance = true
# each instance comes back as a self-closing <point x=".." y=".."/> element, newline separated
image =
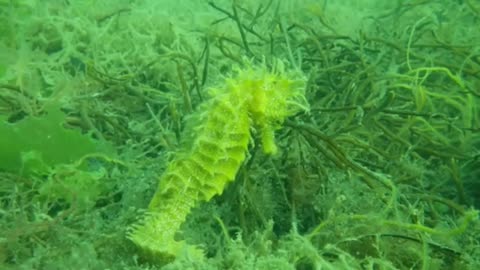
<point x="272" y="95"/>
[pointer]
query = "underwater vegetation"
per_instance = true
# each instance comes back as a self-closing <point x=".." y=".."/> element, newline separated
<point x="239" y="134"/>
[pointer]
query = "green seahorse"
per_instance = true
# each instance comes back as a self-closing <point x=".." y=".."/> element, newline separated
<point x="255" y="100"/>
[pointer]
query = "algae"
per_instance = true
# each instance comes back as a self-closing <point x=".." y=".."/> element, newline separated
<point x="43" y="141"/>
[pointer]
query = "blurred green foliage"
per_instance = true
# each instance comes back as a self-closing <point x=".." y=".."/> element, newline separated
<point x="34" y="143"/>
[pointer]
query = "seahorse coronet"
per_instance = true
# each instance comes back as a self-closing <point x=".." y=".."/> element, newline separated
<point x="256" y="98"/>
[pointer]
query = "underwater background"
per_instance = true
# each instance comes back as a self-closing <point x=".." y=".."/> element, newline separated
<point x="378" y="167"/>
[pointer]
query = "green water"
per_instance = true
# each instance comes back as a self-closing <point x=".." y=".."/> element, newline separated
<point x="382" y="171"/>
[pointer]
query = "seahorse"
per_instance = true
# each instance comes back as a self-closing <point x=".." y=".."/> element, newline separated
<point x="255" y="100"/>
